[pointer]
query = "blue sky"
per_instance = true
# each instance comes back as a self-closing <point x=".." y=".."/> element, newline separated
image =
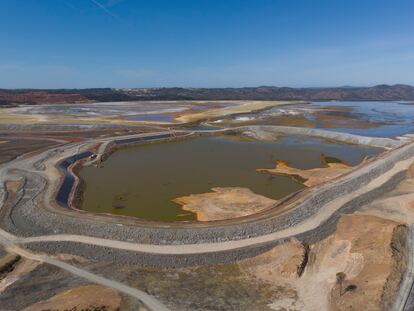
<point x="205" y="43"/>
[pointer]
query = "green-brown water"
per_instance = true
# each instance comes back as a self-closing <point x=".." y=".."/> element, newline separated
<point x="141" y="181"/>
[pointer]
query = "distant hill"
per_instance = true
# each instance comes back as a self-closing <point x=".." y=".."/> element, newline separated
<point x="36" y="96"/>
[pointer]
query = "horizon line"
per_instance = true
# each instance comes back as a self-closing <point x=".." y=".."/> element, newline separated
<point x="214" y="87"/>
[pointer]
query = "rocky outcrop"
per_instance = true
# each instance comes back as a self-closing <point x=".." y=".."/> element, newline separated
<point x="374" y="263"/>
<point x="398" y="248"/>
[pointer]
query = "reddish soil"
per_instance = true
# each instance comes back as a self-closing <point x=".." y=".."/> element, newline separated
<point x="41" y="97"/>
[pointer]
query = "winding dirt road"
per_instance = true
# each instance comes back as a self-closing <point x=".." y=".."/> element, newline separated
<point x="199" y="248"/>
<point x="14" y="243"/>
<point x="8" y="241"/>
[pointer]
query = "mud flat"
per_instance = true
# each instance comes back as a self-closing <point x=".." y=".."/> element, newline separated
<point x="375" y="119"/>
<point x="269" y="132"/>
<point x="232" y="110"/>
<point x="130" y="113"/>
<point x="310" y="177"/>
<point x="224" y="203"/>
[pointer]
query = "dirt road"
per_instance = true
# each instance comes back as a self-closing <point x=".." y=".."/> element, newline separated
<point x="8" y="241"/>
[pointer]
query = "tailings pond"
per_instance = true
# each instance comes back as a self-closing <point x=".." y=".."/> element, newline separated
<point x="142" y="180"/>
<point x="377" y="119"/>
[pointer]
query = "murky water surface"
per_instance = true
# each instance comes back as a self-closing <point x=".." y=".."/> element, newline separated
<point x="379" y="119"/>
<point x="156" y="117"/>
<point x="141" y="181"/>
<point x="389" y="119"/>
